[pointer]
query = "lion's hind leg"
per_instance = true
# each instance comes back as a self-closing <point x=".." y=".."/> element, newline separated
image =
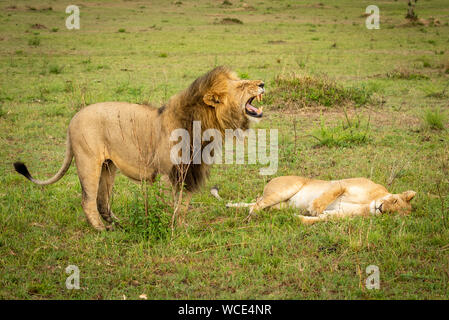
<point x="89" y="172"/>
<point x="106" y="184"/>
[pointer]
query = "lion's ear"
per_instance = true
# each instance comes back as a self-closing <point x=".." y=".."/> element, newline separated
<point x="409" y="195"/>
<point x="212" y="99"/>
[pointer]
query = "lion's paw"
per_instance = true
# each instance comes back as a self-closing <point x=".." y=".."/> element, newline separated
<point x="314" y="211"/>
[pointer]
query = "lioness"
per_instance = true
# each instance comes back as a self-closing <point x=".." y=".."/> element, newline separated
<point x="325" y="199"/>
<point x="135" y="139"/>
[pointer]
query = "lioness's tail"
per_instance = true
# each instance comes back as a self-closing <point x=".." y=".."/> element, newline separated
<point x="214" y="192"/>
<point x="22" y="169"/>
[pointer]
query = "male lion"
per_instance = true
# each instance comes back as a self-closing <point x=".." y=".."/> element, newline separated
<point x="135" y="139"/>
<point x="325" y="199"/>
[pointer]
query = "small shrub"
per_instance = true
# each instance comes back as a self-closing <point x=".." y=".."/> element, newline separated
<point x="445" y="67"/>
<point x="243" y="75"/>
<point x="68" y="86"/>
<point x="149" y="215"/>
<point x="55" y="69"/>
<point x="125" y="88"/>
<point x="2" y="112"/>
<point x="163" y="55"/>
<point x="346" y="134"/>
<point x="405" y="74"/>
<point x="305" y="90"/>
<point x="434" y="119"/>
<point x="437" y="94"/>
<point x="54" y="29"/>
<point x="35" y="42"/>
<point x="4" y="97"/>
<point x="411" y="15"/>
<point x="38" y="26"/>
<point x="121" y="30"/>
<point x="231" y="21"/>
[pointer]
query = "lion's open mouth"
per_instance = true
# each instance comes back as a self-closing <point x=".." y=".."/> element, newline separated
<point x="251" y="110"/>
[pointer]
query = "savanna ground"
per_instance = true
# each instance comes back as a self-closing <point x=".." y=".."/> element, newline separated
<point x="321" y="66"/>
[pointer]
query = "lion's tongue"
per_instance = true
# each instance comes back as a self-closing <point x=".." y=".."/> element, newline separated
<point x="249" y="107"/>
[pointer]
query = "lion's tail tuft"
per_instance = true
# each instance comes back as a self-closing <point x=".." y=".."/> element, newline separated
<point x="23" y="170"/>
<point x="214" y="192"/>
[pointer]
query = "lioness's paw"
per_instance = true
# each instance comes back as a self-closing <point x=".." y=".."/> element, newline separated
<point x="314" y="211"/>
<point x="306" y="220"/>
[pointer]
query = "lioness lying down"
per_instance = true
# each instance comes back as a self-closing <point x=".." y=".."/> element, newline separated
<point x="136" y="139"/>
<point x="325" y="199"/>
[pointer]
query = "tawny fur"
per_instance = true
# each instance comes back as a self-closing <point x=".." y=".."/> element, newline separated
<point x="134" y="138"/>
<point x="325" y="199"/>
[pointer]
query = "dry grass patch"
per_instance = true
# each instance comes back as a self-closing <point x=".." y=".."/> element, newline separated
<point x="230" y="21"/>
<point x="299" y="91"/>
<point x="405" y="74"/>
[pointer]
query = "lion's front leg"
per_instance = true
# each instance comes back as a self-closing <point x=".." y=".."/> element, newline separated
<point x="359" y="210"/>
<point x="318" y="205"/>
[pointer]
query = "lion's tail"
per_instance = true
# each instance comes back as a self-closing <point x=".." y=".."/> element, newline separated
<point x="214" y="192"/>
<point x="22" y="169"/>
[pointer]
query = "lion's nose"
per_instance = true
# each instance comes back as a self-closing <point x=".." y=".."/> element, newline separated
<point x="262" y="85"/>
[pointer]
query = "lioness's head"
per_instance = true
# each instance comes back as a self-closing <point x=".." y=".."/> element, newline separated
<point x="228" y="98"/>
<point x="398" y="202"/>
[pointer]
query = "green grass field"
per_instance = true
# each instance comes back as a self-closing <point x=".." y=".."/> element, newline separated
<point x="391" y="83"/>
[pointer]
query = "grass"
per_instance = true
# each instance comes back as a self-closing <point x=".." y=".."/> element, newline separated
<point x="306" y="90"/>
<point x="35" y="42"/>
<point x="216" y="255"/>
<point x="434" y="119"/>
<point x="405" y="74"/>
<point x="55" y="69"/>
<point x="150" y="222"/>
<point x="347" y="133"/>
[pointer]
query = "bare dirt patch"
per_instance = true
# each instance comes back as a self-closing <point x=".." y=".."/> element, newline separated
<point x="38" y="26"/>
